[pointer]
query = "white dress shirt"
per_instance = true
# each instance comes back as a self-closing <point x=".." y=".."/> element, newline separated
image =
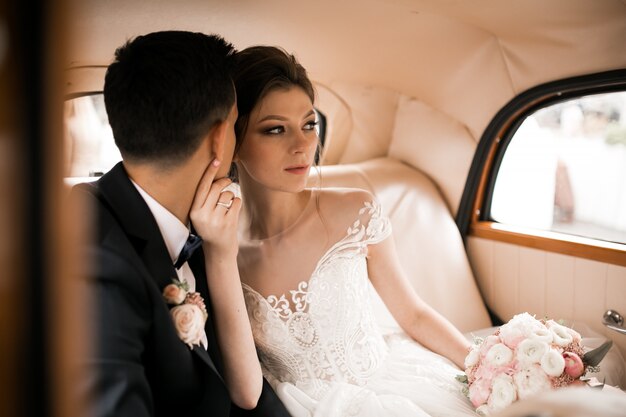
<point x="175" y="235"/>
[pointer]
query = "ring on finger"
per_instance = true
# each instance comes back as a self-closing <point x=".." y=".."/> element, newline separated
<point x="234" y="188"/>
<point x="225" y="205"/>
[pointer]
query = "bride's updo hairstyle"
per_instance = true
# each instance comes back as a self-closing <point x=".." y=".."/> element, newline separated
<point x="259" y="70"/>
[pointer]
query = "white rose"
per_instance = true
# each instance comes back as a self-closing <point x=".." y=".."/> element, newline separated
<point x="520" y="327"/>
<point x="531" y="380"/>
<point x="531" y="351"/>
<point x="488" y="343"/>
<point x="189" y="323"/>
<point x="575" y="335"/>
<point x="503" y="393"/>
<point x="499" y="355"/>
<point x="472" y="357"/>
<point x="523" y="321"/>
<point x="553" y="363"/>
<point x="512" y="335"/>
<point x="561" y="334"/>
<point x="542" y="334"/>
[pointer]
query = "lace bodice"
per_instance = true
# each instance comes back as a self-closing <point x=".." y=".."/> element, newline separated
<point x="326" y="332"/>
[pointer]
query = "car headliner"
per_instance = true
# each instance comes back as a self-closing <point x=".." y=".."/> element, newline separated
<point x="465" y="58"/>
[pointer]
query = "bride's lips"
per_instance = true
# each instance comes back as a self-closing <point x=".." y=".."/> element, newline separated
<point x="298" y="169"/>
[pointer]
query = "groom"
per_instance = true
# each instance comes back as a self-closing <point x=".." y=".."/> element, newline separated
<point x="171" y="105"/>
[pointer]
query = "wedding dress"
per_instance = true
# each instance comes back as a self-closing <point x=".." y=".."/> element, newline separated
<point x="324" y="354"/>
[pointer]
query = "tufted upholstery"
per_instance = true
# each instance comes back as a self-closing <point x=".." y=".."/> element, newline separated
<point x="366" y="122"/>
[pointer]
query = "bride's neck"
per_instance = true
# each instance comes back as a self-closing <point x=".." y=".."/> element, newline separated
<point x="271" y="214"/>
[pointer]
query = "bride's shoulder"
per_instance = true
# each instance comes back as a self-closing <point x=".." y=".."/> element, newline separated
<point x="345" y="204"/>
<point x="342" y="196"/>
<point x="353" y="211"/>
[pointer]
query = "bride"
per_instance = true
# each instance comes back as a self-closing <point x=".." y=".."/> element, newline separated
<point x="305" y="257"/>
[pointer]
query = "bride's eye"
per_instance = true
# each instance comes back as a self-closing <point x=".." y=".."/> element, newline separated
<point x="310" y="125"/>
<point x="275" y="130"/>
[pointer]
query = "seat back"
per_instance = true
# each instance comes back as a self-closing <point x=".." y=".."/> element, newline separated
<point x="428" y="242"/>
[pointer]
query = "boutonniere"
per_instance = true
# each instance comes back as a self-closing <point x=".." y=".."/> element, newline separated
<point x="189" y="313"/>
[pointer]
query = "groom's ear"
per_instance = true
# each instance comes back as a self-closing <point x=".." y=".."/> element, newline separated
<point x="217" y="138"/>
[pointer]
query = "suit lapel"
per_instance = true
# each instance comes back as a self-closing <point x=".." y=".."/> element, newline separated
<point x="196" y="263"/>
<point x="136" y="219"/>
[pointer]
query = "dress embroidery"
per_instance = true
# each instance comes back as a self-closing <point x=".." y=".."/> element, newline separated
<point x="321" y="347"/>
<point x="330" y="334"/>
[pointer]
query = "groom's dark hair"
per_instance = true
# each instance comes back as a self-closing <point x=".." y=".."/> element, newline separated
<point x="165" y="91"/>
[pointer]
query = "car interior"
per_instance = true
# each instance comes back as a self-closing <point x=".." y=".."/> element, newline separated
<point x="492" y="132"/>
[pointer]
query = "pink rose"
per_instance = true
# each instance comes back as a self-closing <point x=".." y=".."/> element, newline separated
<point x="503" y="393"/>
<point x="530" y="380"/>
<point x="573" y="364"/>
<point x="189" y="323"/>
<point x="487" y="344"/>
<point x="479" y="392"/>
<point x="484" y="371"/>
<point x="513" y="337"/>
<point x="174" y="294"/>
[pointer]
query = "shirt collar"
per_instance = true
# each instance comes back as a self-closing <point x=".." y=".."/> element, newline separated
<point x="174" y="232"/>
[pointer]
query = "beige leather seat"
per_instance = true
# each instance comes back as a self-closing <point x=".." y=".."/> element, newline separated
<point x="428" y="242"/>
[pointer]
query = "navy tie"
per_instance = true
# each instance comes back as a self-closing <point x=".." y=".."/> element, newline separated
<point x="193" y="242"/>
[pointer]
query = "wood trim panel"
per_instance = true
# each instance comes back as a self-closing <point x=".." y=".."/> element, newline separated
<point x="597" y="250"/>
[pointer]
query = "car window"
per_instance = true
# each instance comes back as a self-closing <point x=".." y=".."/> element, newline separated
<point x="89" y="146"/>
<point x="564" y="170"/>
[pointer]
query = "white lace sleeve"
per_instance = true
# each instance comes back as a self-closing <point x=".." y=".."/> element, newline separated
<point x="376" y="225"/>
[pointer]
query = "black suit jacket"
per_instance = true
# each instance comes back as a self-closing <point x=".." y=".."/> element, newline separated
<point x="139" y="366"/>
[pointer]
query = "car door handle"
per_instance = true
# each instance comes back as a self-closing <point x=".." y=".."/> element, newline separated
<point x="614" y="321"/>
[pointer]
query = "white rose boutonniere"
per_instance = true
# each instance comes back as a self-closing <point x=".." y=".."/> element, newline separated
<point x="189" y="313"/>
<point x="189" y="323"/>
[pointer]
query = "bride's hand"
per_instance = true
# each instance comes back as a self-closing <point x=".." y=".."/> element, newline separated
<point x="215" y="213"/>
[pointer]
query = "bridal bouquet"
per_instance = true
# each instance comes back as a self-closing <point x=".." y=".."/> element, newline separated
<point x="523" y="357"/>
